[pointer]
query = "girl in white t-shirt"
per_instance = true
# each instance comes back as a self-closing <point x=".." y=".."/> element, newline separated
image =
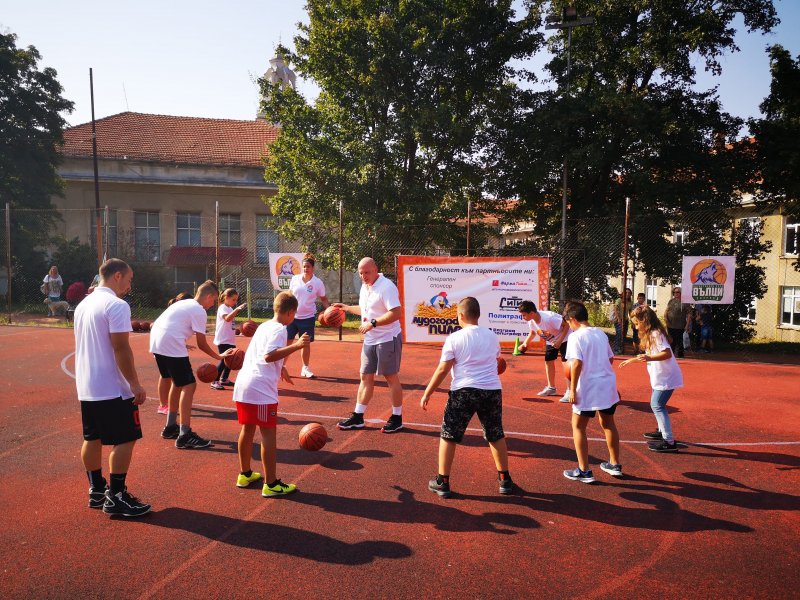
<point x="665" y="374"/>
<point x="225" y="333"/>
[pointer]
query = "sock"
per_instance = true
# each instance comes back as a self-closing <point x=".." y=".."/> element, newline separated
<point x="247" y="473"/>
<point x="185" y="429"/>
<point x="501" y="475"/>
<point x="117" y="482"/>
<point x="360" y="409"/>
<point x="96" y="481"/>
<point x="397" y="410"/>
<point x="440" y="479"/>
<point x="273" y="483"/>
<point x="172" y="418"/>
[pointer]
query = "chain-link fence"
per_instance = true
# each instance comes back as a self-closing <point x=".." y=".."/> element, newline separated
<point x="173" y="252"/>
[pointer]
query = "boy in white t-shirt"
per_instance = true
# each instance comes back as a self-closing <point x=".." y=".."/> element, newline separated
<point x="256" y="394"/>
<point x="555" y="331"/>
<point x="471" y="353"/>
<point x="592" y="388"/>
<point x="177" y="384"/>
<point x="307" y="288"/>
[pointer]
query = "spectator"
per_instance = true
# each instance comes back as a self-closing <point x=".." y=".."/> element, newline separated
<point x="676" y="318"/>
<point x="52" y="284"/>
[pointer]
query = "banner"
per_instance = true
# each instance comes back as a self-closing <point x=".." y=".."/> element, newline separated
<point x="282" y="267"/>
<point x="708" y="279"/>
<point x="431" y="287"/>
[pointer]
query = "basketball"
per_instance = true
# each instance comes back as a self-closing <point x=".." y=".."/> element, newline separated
<point x="249" y="328"/>
<point x="136" y="326"/>
<point x="321" y="319"/>
<point x="234" y="361"/>
<point x="238" y="331"/>
<point x="501" y="365"/>
<point x="313" y="436"/>
<point x="207" y="372"/>
<point x="567" y="366"/>
<point x="334" y="316"/>
<point x="144" y="325"/>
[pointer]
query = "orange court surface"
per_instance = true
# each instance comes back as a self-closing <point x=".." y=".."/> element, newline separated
<point x="719" y="519"/>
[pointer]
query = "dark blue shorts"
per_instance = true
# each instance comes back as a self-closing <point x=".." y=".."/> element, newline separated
<point x="300" y="326"/>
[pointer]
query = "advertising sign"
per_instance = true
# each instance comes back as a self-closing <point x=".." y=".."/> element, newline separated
<point x="708" y="279"/>
<point x="282" y="267"/>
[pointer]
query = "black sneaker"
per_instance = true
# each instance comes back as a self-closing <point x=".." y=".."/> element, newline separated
<point x="191" y="440"/>
<point x="97" y="497"/>
<point x="171" y="432"/>
<point x="506" y="486"/>
<point x="124" y="505"/>
<point x="654" y="435"/>
<point x="356" y="421"/>
<point x="663" y="446"/>
<point x="395" y="423"/>
<point x="443" y="489"/>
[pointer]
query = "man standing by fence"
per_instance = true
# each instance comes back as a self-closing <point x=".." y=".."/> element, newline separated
<point x="676" y="317"/>
<point x="380" y="311"/>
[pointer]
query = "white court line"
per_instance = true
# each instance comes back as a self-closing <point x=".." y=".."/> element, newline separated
<point x="64" y="365"/>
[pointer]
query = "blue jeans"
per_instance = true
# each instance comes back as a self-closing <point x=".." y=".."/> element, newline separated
<point x="658" y="402"/>
<point x="619" y="337"/>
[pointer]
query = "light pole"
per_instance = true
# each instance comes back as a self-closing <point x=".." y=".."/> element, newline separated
<point x="568" y="19"/>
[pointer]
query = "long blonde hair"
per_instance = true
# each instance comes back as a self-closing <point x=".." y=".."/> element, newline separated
<point x="650" y="323"/>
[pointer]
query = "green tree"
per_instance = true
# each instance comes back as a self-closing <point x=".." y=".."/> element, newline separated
<point x="31" y="129"/>
<point x="406" y="91"/>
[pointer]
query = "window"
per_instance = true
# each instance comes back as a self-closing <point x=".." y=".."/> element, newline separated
<point x="749" y="312"/>
<point x="679" y="237"/>
<point x="188" y="229"/>
<point x="790" y="306"/>
<point x="266" y="241"/>
<point x="110" y="228"/>
<point x="651" y="292"/>
<point x="751" y="223"/>
<point x="147" y="238"/>
<point x="792" y="245"/>
<point x="230" y="231"/>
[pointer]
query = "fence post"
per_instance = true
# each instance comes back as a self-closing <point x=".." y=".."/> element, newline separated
<point x="216" y="241"/>
<point x="8" y="260"/>
<point x="341" y="260"/>
<point x="249" y="302"/>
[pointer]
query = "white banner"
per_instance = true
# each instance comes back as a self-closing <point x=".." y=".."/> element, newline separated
<point x="282" y="267"/>
<point x="431" y="287"/>
<point x="708" y="279"/>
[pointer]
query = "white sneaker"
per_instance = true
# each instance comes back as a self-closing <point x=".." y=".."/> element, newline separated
<point x="306" y="372"/>
<point x="564" y="398"/>
<point x="548" y="391"/>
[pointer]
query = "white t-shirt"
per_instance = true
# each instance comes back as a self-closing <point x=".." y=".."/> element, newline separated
<point x="225" y="332"/>
<point x="550" y="324"/>
<point x="97" y="375"/>
<point x="376" y="300"/>
<point x="664" y="374"/>
<point x="175" y="326"/>
<point x="257" y="381"/>
<point x="475" y="351"/>
<point x="597" y="384"/>
<point x="306" y="294"/>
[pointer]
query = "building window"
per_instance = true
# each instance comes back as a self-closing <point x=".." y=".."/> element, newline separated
<point x="651" y="292"/>
<point x="230" y="231"/>
<point x="188" y="229"/>
<point x="753" y="224"/>
<point x="792" y="245"/>
<point x="679" y="237"/>
<point x="147" y="238"/>
<point x="749" y="312"/>
<point x="266" y="241"/>
<point x="110" y="232"/>
<point x="790" y="306"/>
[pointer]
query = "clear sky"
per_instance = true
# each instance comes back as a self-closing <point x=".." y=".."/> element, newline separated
<point x="202" y="58"/>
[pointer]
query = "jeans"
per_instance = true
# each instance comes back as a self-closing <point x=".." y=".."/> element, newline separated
<point x="658" y="402"/>
<point x="619" y="337"/>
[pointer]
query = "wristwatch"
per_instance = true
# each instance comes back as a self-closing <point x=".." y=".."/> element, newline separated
<point x="373" y="322"/>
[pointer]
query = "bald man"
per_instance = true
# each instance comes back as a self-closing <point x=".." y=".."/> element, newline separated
<point x="380" y="311"/>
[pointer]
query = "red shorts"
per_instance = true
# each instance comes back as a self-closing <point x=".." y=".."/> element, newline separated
<point x="262" y="415"/>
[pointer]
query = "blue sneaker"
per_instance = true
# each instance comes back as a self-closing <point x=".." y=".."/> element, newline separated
<point x="578" y="475"/>
<point x="611" y="469"/>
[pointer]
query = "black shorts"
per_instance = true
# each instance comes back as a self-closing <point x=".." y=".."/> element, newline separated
<point x="551" y="353"/>
<point x="113" y="422"/>
<point x="463" y="403"/>
<point x="606" y="411"/>
<point x="177" y="368"/>
<point x="300" y="326"/>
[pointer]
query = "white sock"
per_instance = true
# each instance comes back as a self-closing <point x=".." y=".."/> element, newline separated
<point x="397" y="410"/>
<point x="360" y="409"/>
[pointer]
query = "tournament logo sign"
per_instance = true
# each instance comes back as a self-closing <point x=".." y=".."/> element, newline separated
<point x="710" y="278"/>
<point x="283" y="267"/>
<point x="437" y="315"/>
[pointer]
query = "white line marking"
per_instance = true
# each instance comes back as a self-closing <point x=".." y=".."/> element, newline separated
<point x="64" y="365"/>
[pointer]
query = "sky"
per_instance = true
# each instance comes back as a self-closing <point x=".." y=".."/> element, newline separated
<point x="202" y="58"/>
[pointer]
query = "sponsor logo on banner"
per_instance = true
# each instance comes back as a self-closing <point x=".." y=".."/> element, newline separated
<point x="510" y="303"/>
<point x="708" y="279"/>
<point x="284" y="267"/>
<point x="438" y="315"/>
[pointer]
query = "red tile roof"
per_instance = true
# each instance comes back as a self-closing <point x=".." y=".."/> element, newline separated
<point x="183" y="140"/>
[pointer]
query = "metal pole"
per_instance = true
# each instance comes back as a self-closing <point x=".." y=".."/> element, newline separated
<point x="105" y="249"/>
<point x="625" y="273"/>
<point x="341" y="254"/>
<point x="469" y="222"/>
<point x="96" y="178"/>
<point x="561" y="290"/>
<point x="216" y="241"/>
<point x="8" y="260"/>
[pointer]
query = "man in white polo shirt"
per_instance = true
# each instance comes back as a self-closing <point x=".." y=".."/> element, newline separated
<point x="108" y="389"/>
<point x="380" y="311"/>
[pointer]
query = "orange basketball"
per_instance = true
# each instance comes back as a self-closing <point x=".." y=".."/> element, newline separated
<point x="136" y="326"/>
<point x="501" y="365"/>
<point x="249" y="328"/>
<point x="235" y="361"/>
<point x="207" y="372"/>
<point x="144" y="325"/>
<point x="321" y="319"/>
<point x="238" y="331"/>
<point x="313" y="436"/>
<point x="334" y="316"/>
<point x="567" y="366"/>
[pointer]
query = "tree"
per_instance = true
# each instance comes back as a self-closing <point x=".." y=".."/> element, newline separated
<point x="31" y="129"/>
<point x="776" y="138"/>
<point x="406" y="88"/>
<point x="632" y="126"/>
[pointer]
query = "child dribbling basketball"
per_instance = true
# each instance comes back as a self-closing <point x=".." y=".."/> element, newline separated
<point x="256" y="394"/>
<point x="225" y="333"/>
